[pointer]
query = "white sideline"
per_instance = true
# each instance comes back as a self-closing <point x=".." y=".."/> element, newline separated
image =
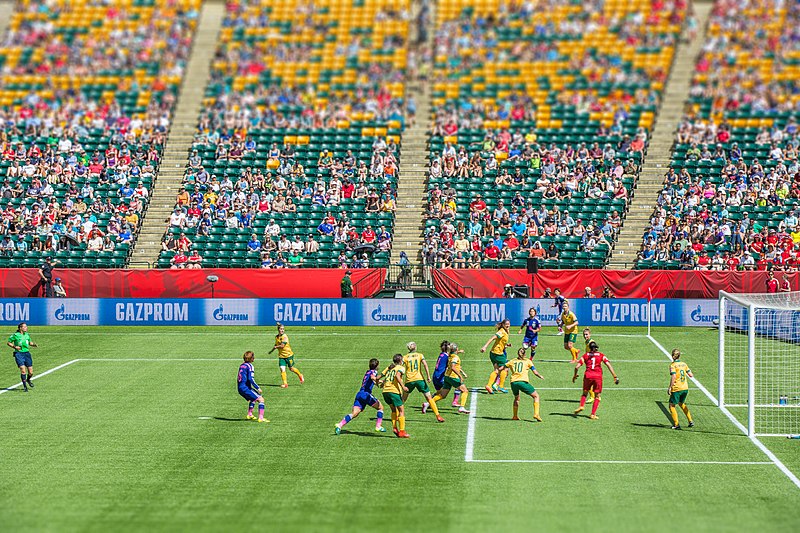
<point x="473" y="408"/>
<point x="613" y="462"/>
<point x="37" y="376"/>
<point x="760" y="445"/>
<point x="366" y="332"/>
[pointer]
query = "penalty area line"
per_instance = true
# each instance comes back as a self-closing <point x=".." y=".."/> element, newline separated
<point x="613" y="462"/>
<point x="37" y="376"/>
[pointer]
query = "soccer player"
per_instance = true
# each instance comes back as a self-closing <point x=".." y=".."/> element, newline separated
<point x="498" y="357"/>
<point x="415" y="362"/>
<point x="441" y="368"/>
<point x="679" y="388"/>
<point x="593" y="376"/>
<point x="570" y="322"/>
<point x="391" y="383"/>
<point x="532" y="327"/>
<point x="285" y="356"/>
<point x="587" y="339"/>
<point x="248" y="388"/>
<point x="364" y="397"/>
<point x="454" y="378"/>
<point x="559" y="301"/>
<point x="21" y="343"/>
<point x="520" y="382"/>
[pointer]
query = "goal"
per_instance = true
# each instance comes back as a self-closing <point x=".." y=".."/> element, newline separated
<point x="759" y="361"/>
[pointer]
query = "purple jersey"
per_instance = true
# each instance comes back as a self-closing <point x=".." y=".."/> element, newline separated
<point x="441" y="366"/>
<point x="368" y="382"/>
<point x="246" y="377"/>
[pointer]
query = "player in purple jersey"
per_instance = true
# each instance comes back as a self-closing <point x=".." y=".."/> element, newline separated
<point x="364" y="398"/>
<point x="441" y="368"/>
<point x="249" y="389"/>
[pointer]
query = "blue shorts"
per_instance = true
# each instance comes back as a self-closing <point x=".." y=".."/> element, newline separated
<point x="530" y="341"/>
<point x="438" y="381"/>
<point x="23" y="359"/>
<point x="364" y="399"/>
<point x="248" y="394"/>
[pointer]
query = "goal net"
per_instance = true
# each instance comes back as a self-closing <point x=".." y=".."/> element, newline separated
<point x="759" y="361"/>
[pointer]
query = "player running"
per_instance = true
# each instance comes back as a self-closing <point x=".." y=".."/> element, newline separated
<point x="248" y="388"/>
<point x="559" y="301"/>
<point x="364" y="397"/>
<point x="415" y="362"/>
<point x="441" y="368"/>
<point x="391" y="383"/>
<point x="498" y="357"/>
<point x="285" y="356"/>
<point x="520" y="382"/>
<point x="532" y="327"/>
<point x="454" y="378"/>
<point x="570" y="322"/>
<point x="587" y="338"/>
<point x="21" y="343"/>
<point x="593" y="376"/>
<point x="679" y="388"/>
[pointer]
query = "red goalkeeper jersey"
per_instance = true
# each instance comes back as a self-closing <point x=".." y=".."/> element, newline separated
<point x="594" y="364"/>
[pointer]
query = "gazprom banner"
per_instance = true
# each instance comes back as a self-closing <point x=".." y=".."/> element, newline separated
<point x="348" y="312"/>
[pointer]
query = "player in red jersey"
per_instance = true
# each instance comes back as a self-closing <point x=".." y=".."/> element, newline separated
<point x="593" y="376"/>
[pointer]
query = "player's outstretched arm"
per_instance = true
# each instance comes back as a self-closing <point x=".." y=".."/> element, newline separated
<point x="488" y="343"/>
<point x="537" y="374"/>
<point x="613" y="374"/>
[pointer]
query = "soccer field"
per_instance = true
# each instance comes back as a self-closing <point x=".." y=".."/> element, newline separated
<point x="142" y="428"/>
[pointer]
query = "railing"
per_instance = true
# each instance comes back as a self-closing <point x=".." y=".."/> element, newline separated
<point x="408" y="277"/>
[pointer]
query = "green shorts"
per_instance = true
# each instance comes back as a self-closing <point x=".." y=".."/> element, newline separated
<point x="570" y="337"/>
<point x="522" y="386"/>
<point x="451" y="383"/>
<point x="393" y="399"/>
<point x="678" y="397"/>
<point x="286" y="361"/>
<point x="419" y="385"/>
<point x="498" y="359"/>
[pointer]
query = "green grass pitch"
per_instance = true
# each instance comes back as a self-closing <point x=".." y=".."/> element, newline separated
<point x="146" y="431"/>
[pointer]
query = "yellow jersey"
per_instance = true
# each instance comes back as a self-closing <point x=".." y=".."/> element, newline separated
<point x="587" y="344"/>
<point x="681" y="372"/>
<point x="500" y="341"/>
<point x="570" y="322"/>
<point x="390" y="379"/>
<point x="413" y="364"/>
<point x="519" y="369"/>
<point x="453" y="367"/>
<point x="286" y="351"/>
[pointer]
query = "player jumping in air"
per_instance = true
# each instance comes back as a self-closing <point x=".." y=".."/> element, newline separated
<point x="679" y="388"/>
<point x="498" y="357"/>
<point x="248" y="388"/>
<point x="520" y="382"/>
<point x="558" y="302"/>
<point x="285" y="356"/>
<point x="441" y="368"/>
<point x="532" y="327"/>
<point x="364" y="398"/>
<point x="587" y="339"/>
<point x="21" y="343"/>
<point x="570" y="322"/>
<point x="593" y="376"/>
<point x="454" y="378"/>
<point x="415" y="363"/>
<point x="391" y="383"/>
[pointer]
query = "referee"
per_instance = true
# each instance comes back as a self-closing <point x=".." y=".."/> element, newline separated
<point x="21" y="343"/>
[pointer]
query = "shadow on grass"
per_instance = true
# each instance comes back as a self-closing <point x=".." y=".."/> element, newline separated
<point x="494" y="418"/>
<point x="562" y="401"/>
<point x="386" y="435"/>
<point x="569" y="415"/>
<point x="690" y="430"/>
<point x="13" y="389"/>
<point x="223" y="419"/>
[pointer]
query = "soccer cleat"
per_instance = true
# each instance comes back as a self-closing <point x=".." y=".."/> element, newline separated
<point x="403" y="435"/>
<point x="691" y="424"/>
<point x="455" y="403"/>
<point x="494" y="387"/>
<point x="425" y="407"/>
<point x="488" y="389"/>
<point x="285" y="386"/>
<point x="537" y="418"/>
<point x="463" y="411"/>
<point x="514" y="418"/>
<point x="439" y="419"/>
<point x="337" y="430"/>
<point x="594" y="417"/>
<point x="578" y="410"/>
<point x="394" y="430"/>
<point x="502" y="390"/>
<point x="379" y="429"/>
<point x="263" y="420"/>
<point x="675" y="427"/>
<point x="24" y="388"/>
<point x="302" y="379"/>
<point x="251" y="417"/>
<point x="560" y="331"/>
<point x="30" y="384"/>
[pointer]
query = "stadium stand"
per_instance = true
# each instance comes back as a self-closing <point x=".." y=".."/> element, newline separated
<point x="731" y="196"/>
<point x="295" y="160"/>
<point x="542" y="115"/>
<point x="86" y="95"/>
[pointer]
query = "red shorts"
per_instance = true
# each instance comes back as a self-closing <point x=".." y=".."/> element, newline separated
<point x="593" y="383"/>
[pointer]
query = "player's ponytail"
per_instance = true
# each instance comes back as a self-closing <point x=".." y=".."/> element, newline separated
<point x="396" y="360"/>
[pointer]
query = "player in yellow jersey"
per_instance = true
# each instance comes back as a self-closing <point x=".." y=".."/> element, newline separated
<point x="520" y="382"/>
<point x="393" y="387"/>
<point x="570" y="322"/>
<point x="679" y="375"/>
<point x="415" y="363"/>
<point x="498" y="357"/>
<point x="454" y="378"/>
<point x="587" y="338"/>
<point x="285" y="356"/>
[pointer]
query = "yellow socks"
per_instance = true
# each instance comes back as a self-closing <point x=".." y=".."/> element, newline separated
<point x="686" y="412"/>
<point x="464" y="395"/>
<point x="591" y="395"/>
<point x="674" y="413"/>
<point x="503" y="374"/>
<point x="283" y="377"/>
<point x="492" y="378"/>
<point x="535" y="409"/>
<point x="433" y="406"/>
<point x="401" y="421"/>
<point x="436" y="398"/>
<point x="394" y="419"/>
<point x="297" y="372"/>
<point x="575" y="353"/>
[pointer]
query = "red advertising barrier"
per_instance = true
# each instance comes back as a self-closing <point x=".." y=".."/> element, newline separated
<point x="233" y="283"/>
<point x="623" y="283"/>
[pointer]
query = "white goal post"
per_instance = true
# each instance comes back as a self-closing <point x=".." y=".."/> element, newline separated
<point x="759" y="361"/>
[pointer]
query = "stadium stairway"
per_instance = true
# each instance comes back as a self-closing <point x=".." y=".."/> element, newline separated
<point x="6" y="11"/>
<point x="181" y="135"/>
<point x="657" y="161"/>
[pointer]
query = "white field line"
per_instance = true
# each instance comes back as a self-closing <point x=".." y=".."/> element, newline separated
<point x="760" y="445"/>
<point x="307" y="359"/>
<point x="364" y="333"/>
<point x="37" y="376"/>
<point x="612" y="462"/>
<point x="473" y="409"/>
